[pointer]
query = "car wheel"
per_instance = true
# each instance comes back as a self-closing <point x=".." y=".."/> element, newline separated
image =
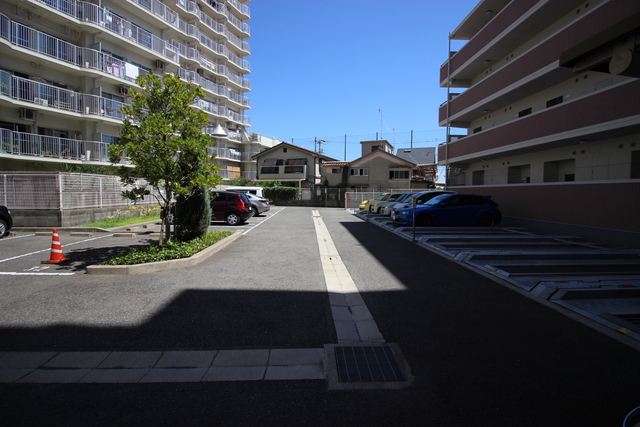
<point x="379" y="210"/>
<point x="233" y="218"/>
<point x="370" y="208"/>
<point x="423" y="220"/>
<point x="255" y="211"/>
<point x="3" y="228"/>
<point x="487" y="221"/>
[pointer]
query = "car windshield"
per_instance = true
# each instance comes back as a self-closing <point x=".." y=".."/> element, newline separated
<point x="403" y="197"/>
<point x="436" y="200"/>
<point x="381" y="197"/>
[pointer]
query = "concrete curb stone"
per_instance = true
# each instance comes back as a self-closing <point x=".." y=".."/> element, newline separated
<point x="164" y="265"/>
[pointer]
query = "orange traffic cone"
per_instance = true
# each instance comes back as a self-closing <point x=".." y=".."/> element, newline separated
<point x="56" y="250"/>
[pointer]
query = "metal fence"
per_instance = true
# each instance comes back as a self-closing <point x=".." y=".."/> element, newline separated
<point x="354" y="198"/>
<point x="64" y="191"/>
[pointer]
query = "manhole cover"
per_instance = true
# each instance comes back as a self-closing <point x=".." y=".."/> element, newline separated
<point x="367" y="364"/>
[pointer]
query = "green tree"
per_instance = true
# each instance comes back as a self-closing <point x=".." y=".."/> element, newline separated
<point x="193" y="215"/>
<point x="162" y="136"/>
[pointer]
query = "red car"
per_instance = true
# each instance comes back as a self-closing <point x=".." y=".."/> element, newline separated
<point x="232" y="208"/>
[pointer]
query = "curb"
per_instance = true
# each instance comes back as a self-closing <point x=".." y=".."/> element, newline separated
<point x="164" y="265"/>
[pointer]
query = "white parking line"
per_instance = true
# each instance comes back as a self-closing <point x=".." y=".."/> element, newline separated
<point x="261" y="222"/>
<point x="10" y="273"/>
<point x="48" y="249"/>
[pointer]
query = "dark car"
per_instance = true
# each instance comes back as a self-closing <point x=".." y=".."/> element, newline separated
<point x="420" y="197"/>
<point x="232" y="208"/>
<point x="6" y="222"/>
<point x="259" y="205"/>
<point x="453" y="210"/>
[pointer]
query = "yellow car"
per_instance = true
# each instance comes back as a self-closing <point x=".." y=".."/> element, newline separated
<point x="365" y="205"/>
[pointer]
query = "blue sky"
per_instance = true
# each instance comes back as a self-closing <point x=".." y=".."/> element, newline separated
<point x="324" y="68"/>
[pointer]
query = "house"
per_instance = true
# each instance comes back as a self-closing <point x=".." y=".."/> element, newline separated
<point x="425" y="158"/>
<point x="548" y="124"/>
<point x="377" y="169"/>
<point x="289" y="163"/>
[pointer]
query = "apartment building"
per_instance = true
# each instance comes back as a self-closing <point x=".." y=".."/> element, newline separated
<point x="543" y="114"/>
<point x="67" y="66"/>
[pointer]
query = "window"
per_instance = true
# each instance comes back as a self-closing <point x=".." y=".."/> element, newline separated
<point x="555" y="101"/>
<point x="109" y="139"/>
<point x="519" y="174"/>
<point x="525" y="112"/>
<point x="53" y="132"/>
<point x="359" y="172"/>
<point x="478" y="129"/>
<point x="560" y="170"/>
<point x="477" y="178"/>
<point x="398" y="174"/>
<point x="335" y="170"/>
<point x="635" y="164"/>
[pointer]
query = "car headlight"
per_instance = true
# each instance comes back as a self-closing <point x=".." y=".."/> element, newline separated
<point x="402" y="212"/>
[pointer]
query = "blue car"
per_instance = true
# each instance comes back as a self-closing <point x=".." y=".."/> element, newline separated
<point x="453" y="210"/>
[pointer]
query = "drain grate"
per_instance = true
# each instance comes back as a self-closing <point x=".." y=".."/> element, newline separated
<point x="367" y="364"/>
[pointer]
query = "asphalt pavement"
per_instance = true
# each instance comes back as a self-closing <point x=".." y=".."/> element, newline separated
<point x="473" y="351"/>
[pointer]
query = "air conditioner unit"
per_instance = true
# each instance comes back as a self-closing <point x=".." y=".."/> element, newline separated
<point x="28" y="114"/>
<point x="124" y="90"/>
<point x="160" y="65"/>
<point x="200" y="71"/>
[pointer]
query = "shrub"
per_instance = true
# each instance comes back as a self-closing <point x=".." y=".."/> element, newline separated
<point x="168" y="251"/>
<point x="193" y="215"/>
<point x="281" y="193"/>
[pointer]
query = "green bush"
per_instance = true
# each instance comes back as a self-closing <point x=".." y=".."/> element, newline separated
<point x="281" y="193"/>
<point x="168" y="251"/>
<point x="193" y="215"/>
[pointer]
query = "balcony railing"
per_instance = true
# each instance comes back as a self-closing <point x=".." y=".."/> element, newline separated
<point x="225" y="153"/>
<point x="29" y="144"/>
<point x="88" y="12"/>
<point x="37" y="93"/>
<point x="44" y="44"/>
<point x="283" y="172"/>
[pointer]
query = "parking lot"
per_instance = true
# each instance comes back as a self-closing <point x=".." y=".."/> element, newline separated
<point x="25" y="249"/>
<point x="470" y="348"/>
<point x="597" y="282"/>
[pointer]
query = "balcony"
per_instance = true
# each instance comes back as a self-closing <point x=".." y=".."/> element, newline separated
<point x="607" y="112"/>
<point x="52" y="97"/>
<point x="283" y="172"/>
<point x="88" y="13"/>
<point x="43" y="44"/>
<point x="32" y="145"/>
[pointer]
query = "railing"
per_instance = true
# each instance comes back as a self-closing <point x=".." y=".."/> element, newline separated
<point x="229" y="173"/>
<point x="225" y="153"/>
<point x="160" y="10"/>
<point x="44" y="44"/>
<point x="88" y="12"/>
<point x="29" y="144"/>
<point x="34" y="92"/>
<point x="283" y="171"/>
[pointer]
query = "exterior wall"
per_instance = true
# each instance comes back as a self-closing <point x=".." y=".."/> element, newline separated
<point x="593" y="161"/>
<point x="378" y="176"/>
<point x="70" y="63"/>
<point x="338" y="179"/>
<point x="553" y="144"/>
<point x="285" y="173"/>
<point x="591" y="209"/>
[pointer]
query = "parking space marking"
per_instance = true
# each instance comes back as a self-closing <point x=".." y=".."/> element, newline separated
<point x="49" y="249"/>
<point x="10" y="273"/>
<point x="261" y="222"/>
<point x="351" y="317"/>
